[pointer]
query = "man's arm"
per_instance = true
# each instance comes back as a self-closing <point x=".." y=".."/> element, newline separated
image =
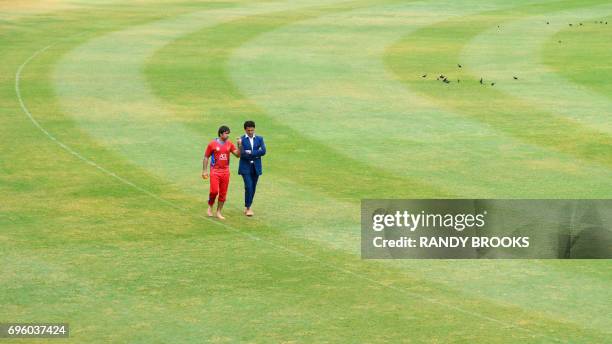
<point x="261" y="151"/>
<point x="237" y="152"/>
<point x="204" y="167"/>
<point x="243" y="152"/>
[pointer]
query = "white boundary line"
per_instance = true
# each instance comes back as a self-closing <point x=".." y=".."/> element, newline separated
<point x="236" y="230"/>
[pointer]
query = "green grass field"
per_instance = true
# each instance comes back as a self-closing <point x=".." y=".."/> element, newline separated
<point x="106" y="108"/>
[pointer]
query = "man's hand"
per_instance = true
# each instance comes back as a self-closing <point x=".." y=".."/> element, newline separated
<point x="204" y="175"/>
<point x="238" y="141"/>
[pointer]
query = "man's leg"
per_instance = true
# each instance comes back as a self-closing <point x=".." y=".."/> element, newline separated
<point x="254" y="177"/>
<point x="219" y="208"/>
<point x="223" y="185"/>
<point x="248" y="191"/>
<point x="214" y="191"/>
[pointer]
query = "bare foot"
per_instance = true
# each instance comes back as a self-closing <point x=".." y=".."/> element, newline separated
<point x="219" y="216"/>
<point x="249" y="212"/>
<point x="209" y="212"/>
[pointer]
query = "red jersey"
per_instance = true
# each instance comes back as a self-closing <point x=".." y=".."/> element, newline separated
<point x="220" y="153"/>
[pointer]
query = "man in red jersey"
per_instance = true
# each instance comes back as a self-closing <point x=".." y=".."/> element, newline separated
<point x="218" y="151"/>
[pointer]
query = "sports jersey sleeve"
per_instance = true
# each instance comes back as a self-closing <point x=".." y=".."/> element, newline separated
<point x="209" y="150"/>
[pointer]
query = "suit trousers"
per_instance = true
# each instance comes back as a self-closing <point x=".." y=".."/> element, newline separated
<point x="250" y="185"/>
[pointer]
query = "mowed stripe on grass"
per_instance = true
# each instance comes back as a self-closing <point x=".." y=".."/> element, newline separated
<point x="144" y="322"/>
<point x="582" y="56"/>
<point x="581" y="146"/>
<point x="542" y="88"/>
<point x="196" y="70"/>
<point x="135" y="269"/>
<point x="407" y="57"/>
<point x="321" y="73"/>
<point x="257" y="61"/>
<point x="138" y="308"/>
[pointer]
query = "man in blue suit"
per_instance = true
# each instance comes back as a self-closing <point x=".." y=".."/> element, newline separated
<point x="252" y="148"/>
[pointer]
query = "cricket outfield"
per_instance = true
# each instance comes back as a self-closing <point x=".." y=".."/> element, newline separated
<point x="106" y="108"/>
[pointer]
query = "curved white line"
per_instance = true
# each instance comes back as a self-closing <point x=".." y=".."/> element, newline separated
<point x="238" y="231"/>
<point x="67" y="148"/>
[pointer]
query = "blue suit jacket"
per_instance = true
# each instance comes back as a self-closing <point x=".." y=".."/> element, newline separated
<point x="252" y="158"/>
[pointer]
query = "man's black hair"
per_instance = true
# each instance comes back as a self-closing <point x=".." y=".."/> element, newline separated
<point x="223" y="129"/>
<point x="249" y="124"/>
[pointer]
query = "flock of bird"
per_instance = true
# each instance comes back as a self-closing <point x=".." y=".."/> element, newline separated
<point x="443" y="78"/>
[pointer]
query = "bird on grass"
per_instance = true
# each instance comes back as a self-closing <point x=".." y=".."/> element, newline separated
<point x="424" y="76"/>
<point x="492" y="84"/>
<point x="515" y="77"/>
<point x="482" y="83"/>
<point x="459" y="65"/>
<point x="547" y="23"/>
